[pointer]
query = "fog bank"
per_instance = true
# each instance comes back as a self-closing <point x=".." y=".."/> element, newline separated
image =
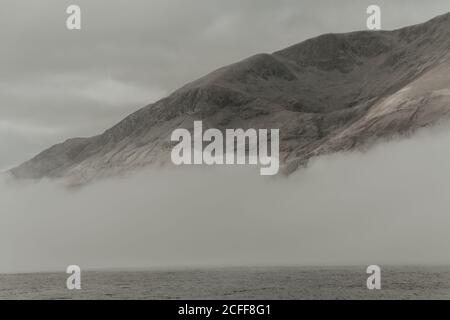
<point x="390" y="205"/>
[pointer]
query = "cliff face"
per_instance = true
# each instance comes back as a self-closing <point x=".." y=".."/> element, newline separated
<point x="331" y="93"/>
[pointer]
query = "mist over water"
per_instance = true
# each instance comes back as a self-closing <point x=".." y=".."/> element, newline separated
<point x="390" y="205"/>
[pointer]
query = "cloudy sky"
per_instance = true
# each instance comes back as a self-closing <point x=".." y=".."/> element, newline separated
<point x="56" y="83"/>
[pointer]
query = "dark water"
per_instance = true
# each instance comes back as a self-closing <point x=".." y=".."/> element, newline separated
<point x="234" y="283"/>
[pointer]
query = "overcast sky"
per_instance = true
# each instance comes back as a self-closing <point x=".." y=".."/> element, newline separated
<point x="56" y="83"/>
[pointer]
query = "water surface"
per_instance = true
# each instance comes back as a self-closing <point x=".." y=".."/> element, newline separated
<point x="234" y="283"/>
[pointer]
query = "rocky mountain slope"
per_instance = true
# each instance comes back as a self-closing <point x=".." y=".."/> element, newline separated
<point x="327" y="94"/>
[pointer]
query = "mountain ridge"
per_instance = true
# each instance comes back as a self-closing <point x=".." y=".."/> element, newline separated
<point x="331" y="93"/>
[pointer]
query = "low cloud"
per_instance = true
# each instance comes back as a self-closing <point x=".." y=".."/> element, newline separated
<point x="386" y="206"/>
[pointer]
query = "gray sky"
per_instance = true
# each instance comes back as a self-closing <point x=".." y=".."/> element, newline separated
<point x="56" y="83"/>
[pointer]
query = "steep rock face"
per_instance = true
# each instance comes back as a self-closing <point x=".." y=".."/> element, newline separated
<point x="331" y="93"/>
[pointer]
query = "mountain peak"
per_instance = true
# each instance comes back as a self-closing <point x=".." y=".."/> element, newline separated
<point x="330" y="93"/>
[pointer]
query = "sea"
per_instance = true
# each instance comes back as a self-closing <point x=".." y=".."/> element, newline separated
<point x="285" y="283"/>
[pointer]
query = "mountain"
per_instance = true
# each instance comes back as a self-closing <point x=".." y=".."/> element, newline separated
<point x="327" y="94"/>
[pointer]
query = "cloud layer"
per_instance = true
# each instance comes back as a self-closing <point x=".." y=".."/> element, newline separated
<point x="387" y="206"/>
